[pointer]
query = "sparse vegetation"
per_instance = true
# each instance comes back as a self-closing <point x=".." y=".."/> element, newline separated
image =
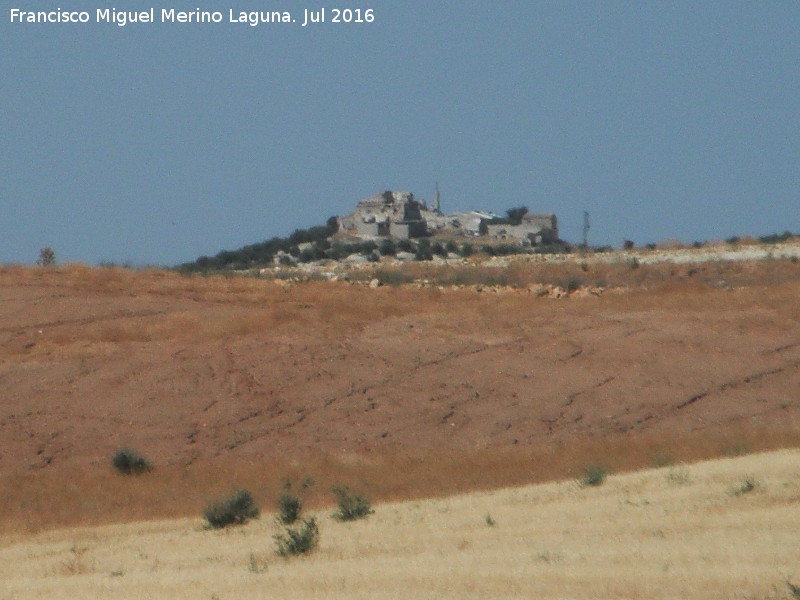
<point x="393" y="277"/>
<point x="490" y="521"/>
<point x="739" y="449"/>
<point x="129" y="462"/>
<point x="660" y="459"/>
<point x="290" y="507"/>
<point x="574" y="284"/>
<point x="163" y="559"/>
<point x="262" y="254"/>
<point x="745" y="486"/>
<point x="47" y="257"/>
<point x="300" y="540"/>
<point x="234" y="510"/>
<point x="350" y="507"/>
<point x="256" y="565"/>
<point x="777" y="238"/>
<point x="794" y="589"/>
<point x="75" y="564"/>
<point x="594" y="475"/>
<point x="388" y="247"/>
<point x="678" y="476"/>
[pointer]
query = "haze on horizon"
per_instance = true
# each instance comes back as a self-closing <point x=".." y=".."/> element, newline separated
<point x="159" y="143"/>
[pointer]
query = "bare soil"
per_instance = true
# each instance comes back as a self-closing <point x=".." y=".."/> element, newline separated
<point x="399" y="392"/>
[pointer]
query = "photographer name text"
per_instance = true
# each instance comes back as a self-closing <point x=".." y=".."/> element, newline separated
<point x="122" y="18"/>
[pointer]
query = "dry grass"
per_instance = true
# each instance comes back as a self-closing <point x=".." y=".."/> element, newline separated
<point x="79" y="495"/>
<point x="94" y="359"/>
<point x="637" y="536"/>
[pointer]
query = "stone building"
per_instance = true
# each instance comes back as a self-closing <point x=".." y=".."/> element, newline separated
<point x="399" y="215"/>
<point x="534" y="229"/>
<point x="390" y="214"/>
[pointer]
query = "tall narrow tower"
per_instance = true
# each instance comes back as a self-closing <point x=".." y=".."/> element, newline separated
<point x="586" y="228"/>
<point x="437" y="205"/>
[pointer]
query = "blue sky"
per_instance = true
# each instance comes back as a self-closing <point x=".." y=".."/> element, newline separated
<point x="158" y="143"/>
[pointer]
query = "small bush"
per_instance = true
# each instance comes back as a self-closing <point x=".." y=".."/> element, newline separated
<point x="594" y="475"/>
<point x="678" y="476"/>
<point x="574" y="284"/>
<point x="47" y="257"/>
<point x="350" y="507"/>
<point x="256" y="565"/>
<point x="367" y="248"/>
<point x="745" y="486"/>
<point x="301" y="540"/>
<point x="290" y="507"/>
<point x="423" y="254"/>
<point x="237" y="509"/>
<point x="306" y="255"/>
<point x="130" y="462"/>
<point x="490" y="521"/>
<point x="388" y="247"/>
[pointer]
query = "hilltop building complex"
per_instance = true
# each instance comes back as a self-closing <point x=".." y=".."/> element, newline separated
<point x="399" y="215"/>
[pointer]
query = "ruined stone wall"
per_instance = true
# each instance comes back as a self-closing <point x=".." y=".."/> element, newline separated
<point x="399" y="215"/>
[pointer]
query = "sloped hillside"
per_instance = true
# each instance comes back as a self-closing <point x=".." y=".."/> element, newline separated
<point x="407" y="392"/>
<point x="722" y="529"/>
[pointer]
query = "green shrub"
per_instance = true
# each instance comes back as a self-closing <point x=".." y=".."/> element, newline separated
<point x="423" y="254"/>
<point x="47" y="257"/>
<point x="594" y="475"/>
<point x="350" y="507"/>
<point x="290" y="507"/>
<point x="301" y="540"/>
<point x="368" y="247"/>
<point x="237" y="509"/>
<point x="129" y="462"/>
<point x="574" y="284"/>
<point x="745" y="486"/>
<point x="387" y="247"/>
<point x="794" y="589"/>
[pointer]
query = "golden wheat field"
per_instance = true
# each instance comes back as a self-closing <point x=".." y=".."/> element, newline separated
<point x="725" y="528"/>
<point x="449" y="405"/>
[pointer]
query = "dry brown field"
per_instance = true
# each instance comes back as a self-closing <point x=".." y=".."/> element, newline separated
<point x="725" y="528"/>
<point x="403" y="392"/>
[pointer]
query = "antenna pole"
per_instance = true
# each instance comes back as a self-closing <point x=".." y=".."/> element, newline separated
<point x="586" y="228"/>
